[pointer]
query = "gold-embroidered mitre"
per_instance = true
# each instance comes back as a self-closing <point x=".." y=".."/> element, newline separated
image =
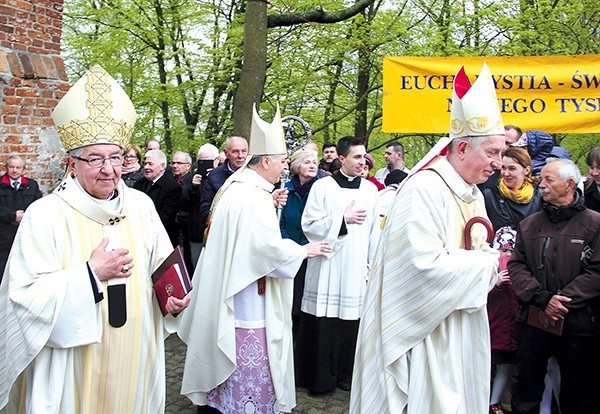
<point x="265" y="138"/>
<point x="475" y="110"/>
<point x="96" y="110"/>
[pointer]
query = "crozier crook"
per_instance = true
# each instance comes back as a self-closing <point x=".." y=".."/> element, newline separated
<point x="488" y="227"/>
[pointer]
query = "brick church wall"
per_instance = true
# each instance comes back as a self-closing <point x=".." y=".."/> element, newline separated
<point x="32" y="81"/>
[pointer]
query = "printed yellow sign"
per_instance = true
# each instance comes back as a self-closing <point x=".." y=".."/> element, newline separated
<point x="549" y="93"/>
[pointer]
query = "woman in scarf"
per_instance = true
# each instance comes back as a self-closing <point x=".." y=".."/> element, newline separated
<point x="303" y="169"/>
<point x="132" y="170"/>
<point x="515" y="197"/>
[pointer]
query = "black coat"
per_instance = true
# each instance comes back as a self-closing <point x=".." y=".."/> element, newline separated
<point x="12" y="200"/>
<point x="190" y="206"/>
<point x="213" y="182"/>
<point x="165" y="194"/>
<point x="592" y="196"/>
<point x="132" y="178"/>
<point x="504" y="212"/>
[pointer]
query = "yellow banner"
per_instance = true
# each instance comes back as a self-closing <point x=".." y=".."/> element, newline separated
<point x="550" y="93"/>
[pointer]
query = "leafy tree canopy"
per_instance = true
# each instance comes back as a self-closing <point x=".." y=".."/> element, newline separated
<point x="181" y="61"/>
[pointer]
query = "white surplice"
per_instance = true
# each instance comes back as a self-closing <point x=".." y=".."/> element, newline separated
<point x="423" y="343"/>
<point x="244" y="244"/>
<point x="58" y="353"/>
<point x="335" y="285"/>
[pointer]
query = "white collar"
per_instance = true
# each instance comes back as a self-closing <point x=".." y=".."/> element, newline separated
<point x="348" y="177"/>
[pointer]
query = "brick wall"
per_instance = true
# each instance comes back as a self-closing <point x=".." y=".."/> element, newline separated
<point x="32" y="81"/>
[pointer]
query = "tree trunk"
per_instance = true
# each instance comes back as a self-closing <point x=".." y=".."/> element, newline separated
<point x="362" y="91"/>
<point x="335" y="80"/>
<point x="252" y="78"/>
<point x="162" y="75"/>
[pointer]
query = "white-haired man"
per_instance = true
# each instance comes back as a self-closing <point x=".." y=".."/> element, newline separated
<point x="180" y="166"/>
<point x="556" y="268"/>
<point x="81" y="330"/>
<point x="207" y="160"/>
<point x="17" y="192"/>
<point x="164" y="192"/>
<point x="424" y="343"/>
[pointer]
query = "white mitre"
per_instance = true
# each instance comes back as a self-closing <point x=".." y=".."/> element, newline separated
<point x="96" y="110"/>
<point x="475" y="110"/>
<point x="265" y="138"/>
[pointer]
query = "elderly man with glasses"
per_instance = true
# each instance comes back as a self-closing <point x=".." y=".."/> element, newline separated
<point x="81" y="330"/>
<point x="181" y="166"/>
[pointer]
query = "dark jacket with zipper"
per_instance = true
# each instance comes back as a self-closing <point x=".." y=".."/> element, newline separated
<point x="558" y="252"/>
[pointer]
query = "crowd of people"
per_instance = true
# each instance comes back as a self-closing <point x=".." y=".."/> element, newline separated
<point x="379" y="285"/>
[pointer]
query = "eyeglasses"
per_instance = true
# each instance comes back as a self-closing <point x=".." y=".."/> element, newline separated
<point x="97" y="162"/>
<point x="130" y="157"/>
<point x="179" y="163"/>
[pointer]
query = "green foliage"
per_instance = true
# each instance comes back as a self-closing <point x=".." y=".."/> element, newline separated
<point x="312" y="69"/>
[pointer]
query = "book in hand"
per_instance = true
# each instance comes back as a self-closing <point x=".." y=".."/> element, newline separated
<point x="171" y="278"/>
<point x="535" y="319"/>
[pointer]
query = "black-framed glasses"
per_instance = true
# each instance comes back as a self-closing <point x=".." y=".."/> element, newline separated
<point x="97" y="162"/>
<point x="130" y="157"/>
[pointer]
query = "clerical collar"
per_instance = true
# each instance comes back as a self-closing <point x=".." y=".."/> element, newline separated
<point x="112" y="204"/>
<point x="345" y="181"/>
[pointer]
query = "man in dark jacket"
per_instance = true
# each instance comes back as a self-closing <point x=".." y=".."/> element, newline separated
<point x="17" y="192"/>
<point x="236" y="151"/>
<point x="556" y="268"/>
<point x="180" y="167"/>
<point x="163" y="190"/>
<point x="190" y="200"/>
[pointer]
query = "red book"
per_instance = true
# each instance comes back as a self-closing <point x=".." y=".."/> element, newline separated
<point x="171" y="278"/>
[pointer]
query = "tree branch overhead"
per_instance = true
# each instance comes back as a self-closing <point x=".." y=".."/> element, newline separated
<point x="317" y="15"/>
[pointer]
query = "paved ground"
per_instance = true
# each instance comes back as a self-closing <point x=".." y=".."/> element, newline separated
<point x="336" y="403"/>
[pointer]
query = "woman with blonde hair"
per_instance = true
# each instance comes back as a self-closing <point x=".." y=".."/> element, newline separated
<point x="132" y="170"/>
<point x="304" y="172"/>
